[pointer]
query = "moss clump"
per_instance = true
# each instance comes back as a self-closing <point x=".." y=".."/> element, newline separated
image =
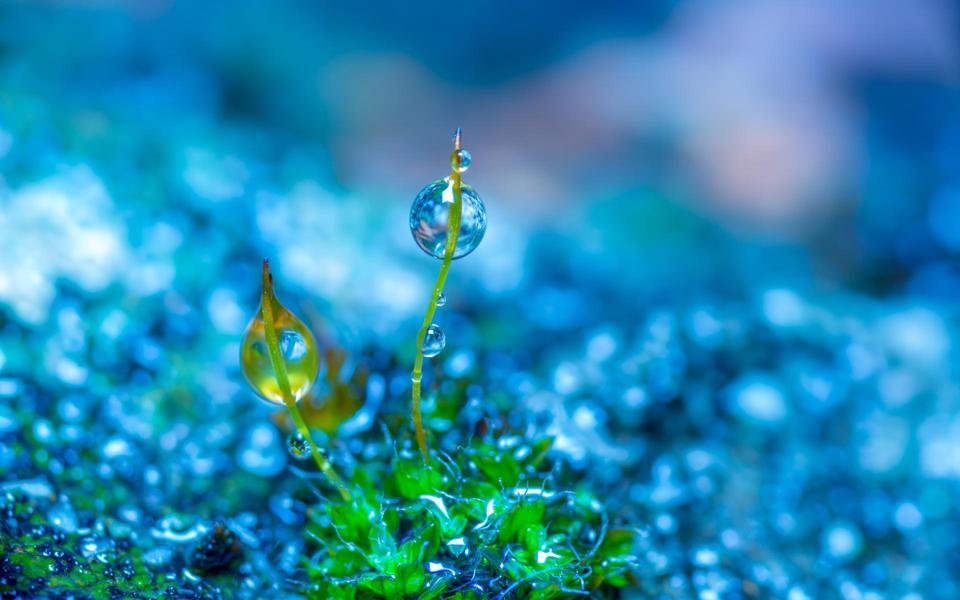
<point x="487" y="522"/>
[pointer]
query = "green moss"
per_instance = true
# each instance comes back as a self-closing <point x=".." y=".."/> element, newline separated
<point x="489" y="521"/>
<point x="43" y="561"/>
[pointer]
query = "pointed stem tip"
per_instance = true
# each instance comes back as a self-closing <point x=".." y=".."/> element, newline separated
<point x="267" y="277"/>
<point x="456" y="139"/>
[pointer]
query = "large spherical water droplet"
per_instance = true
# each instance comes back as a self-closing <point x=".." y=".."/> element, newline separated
<point x="298" y="349"/>
<point x="430" y="218"/>
<point x="463" y="158"/>
<point x="441" y="300"/>
<point x="434" y="342"/>
<point x="298" y="446"/>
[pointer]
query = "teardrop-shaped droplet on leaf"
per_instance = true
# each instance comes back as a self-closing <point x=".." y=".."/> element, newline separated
<point x="297" y="351"/>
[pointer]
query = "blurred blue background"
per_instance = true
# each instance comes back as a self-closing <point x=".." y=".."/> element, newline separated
<point x="699" y="143"/>
<point x="721" y="260"/>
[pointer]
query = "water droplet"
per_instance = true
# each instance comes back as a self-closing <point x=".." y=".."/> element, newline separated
<point x="261" y="451"/>
<point x="486" y="520"/>
<point x="542" y="556"/>
<point x="62" y="516"/>
<point x="8" y="418"/>
<point x="34" y="488"/>
<point x="151" y="476"/>
<point x="533" y="491"/>
<point x="842" y="540"/>
<point x="438" y="502"/>
<point x="158" y="557"/>
<point x="441" y="300"/>
<point x="430" y="213"/>
<point x="464" y="160"/>
<point x="434" y="342"/>
<point x="178" y="528"/>
<point x="666" y="523"/>
<point x="298" y="446"/>
<point x="759" y="399"/>
<point x="297" y="347"/>
<point x="457" y="546"/>
<point x="43" y="431"/>
<point x="435" y="567"/>
<point x="907" y="516"/>
<point x="93" y="546"/>
<point x="704" y="557"/>
<point x="116" y="447"/>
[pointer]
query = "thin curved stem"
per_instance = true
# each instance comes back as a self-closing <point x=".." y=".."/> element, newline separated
<point x="453" y="233"/>
<point x="283" y="382"/>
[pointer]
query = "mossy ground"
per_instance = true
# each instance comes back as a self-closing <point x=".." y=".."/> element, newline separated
<point x="40" y="560"/>
<point x="487" y="522"/>
<point x="491" y="515"/>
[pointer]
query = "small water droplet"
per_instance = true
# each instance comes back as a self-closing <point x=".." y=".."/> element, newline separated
<point x="151" y="476"/>
<point x="178" y="528"/>
<point x="116" y="447"/>
<point x="43" y="431"/>
<point x="158" y="557"/>
<point x="261" y="451"/>
<point x="457" y="546"/>
<point x="441" y="300"/>
<point x="434" y="342"/>
<point x="460" y="160"/>
<point x="93" y="546"/>
<point x="298" y="446"/>
<point x="486" y="520"/>
<point x="34" y="488"/>
<point x="842" y="540"/>
<point x="704" y="557"/>
<point x="430" y="214"/>
<point x="438" y="502"/>
<point x="8" y="420"/>
<point x="435" y="567"/>
<point x="62" y="516"/>
<point x="543" y="556"/>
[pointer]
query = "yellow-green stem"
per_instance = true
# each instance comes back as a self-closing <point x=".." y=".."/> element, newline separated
<point x="283" y="382"/>
<point x="453" y="232"/>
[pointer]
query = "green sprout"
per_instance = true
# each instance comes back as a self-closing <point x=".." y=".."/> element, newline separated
<point x="488" y="518"/>
<point x="454" y="213"/>
<point x="279" y="359"/>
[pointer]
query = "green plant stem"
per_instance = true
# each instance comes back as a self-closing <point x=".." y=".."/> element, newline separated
<point x="283" y="382"/>
<point x="453" y="232"/>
